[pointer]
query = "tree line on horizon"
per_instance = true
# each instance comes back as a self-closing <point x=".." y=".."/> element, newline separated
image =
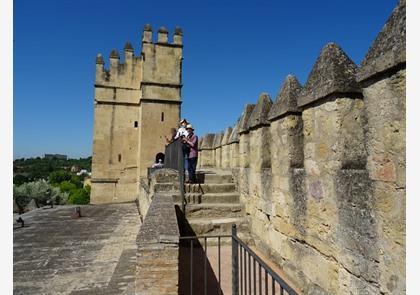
<point x="47" y="181"/>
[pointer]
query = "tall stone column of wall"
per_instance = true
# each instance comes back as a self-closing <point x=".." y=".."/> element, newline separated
<point x="382" y="75"/>
<point x="206" y="153"/>
<point x="287" y="158"/>
<point x="338" y="221"/>
<point x="233" y="145"/>
<point x="217" y="149"/>
<point x="200" y="143"/>
<point x="259" y="200"/>
<point x="225" y="149"/>
<point x="244" y="156"/>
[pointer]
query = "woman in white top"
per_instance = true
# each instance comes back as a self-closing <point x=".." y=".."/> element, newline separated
<point x="182" y="131"/>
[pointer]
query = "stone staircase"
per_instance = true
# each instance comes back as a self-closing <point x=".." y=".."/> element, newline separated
<point x="213" y="205"/>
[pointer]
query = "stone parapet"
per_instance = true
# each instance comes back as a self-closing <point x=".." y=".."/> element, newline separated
<point x="225" y="149"/>
<point x="259" y="115"/>
<point x="243" y="121"/>
<point x="233" y="148"/>
<point x="217" y="142"/>
<point x="226" y="136"/>
<point x="322" y="172"/>
<point x="158" y="249"/>
<point x="206" y="151"/>
<point x="383" y="77"/>
<point x="217" y="149"/>
<point x="286" y="102"/>
<point x="334" y="73"/>
<point x="388" y="50"/>
<point x="234" y="136"/>
<point x="287" y="162"/>
<point x="208" y="140"/>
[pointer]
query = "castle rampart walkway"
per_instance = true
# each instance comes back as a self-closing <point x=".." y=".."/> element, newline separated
<point x="94" y="254"/>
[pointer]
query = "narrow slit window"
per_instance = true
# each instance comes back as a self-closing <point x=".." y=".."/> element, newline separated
<point x="136" y="124"/>
<point x="119" y="157"/>
<point x="162" y="117"/>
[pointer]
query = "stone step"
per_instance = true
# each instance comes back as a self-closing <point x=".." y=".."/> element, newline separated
<point x="218" y="226"/>
<point x="214" y="178"/>
<point x="214" y="210"/>
<point x="166" y="187"/>
<point x="211" y="198"/>
<point x="210" y="188"/>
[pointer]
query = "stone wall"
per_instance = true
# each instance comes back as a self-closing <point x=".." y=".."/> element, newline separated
<point x="158" y="247"/>
<point x="158" y="238"/>
<point x="321" y="171"/>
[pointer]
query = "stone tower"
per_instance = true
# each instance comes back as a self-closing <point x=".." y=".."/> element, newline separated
<point x="136" y="104"/>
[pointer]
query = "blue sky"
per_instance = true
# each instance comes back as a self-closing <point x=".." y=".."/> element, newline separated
<point x="233" y="51"/>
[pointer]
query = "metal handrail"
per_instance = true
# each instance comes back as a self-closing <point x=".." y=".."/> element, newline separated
<point x="266" y="267"/>
<point x="204" y="237"/>
<point x="240" y="265"/>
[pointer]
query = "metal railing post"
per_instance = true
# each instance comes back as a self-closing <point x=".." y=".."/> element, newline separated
<point x="235" y="286"/>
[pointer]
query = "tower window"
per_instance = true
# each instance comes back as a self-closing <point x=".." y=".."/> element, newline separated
<point x="136" y="124"/>
<point x="162" y="117"/>
<point x="119" y="157"/>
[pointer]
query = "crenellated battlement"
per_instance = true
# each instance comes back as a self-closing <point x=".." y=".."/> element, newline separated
<point x="119" y="75"/>
<point x="162" y="36"/>
<point x="154" y="74"/>
<point x="321" y="171"/>
<point x="161" y="63"/>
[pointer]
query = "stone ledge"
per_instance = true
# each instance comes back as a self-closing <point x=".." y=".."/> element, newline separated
<point x="160" y="221"/>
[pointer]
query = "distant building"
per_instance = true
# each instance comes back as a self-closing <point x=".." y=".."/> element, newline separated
<point x="83" y="171"/>
<point x="55" y="156"/>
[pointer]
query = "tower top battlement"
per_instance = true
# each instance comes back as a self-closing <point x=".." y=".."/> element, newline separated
<point x="157" y="62"/>
<point x="162" y="35"/>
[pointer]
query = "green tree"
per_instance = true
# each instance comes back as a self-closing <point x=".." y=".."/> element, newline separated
<point x="40" y="191"/>
<point x="59" y="197"/>
<point x="57" y="177"/>
<point x="77" y="181"/>
<point x="20" y="179"/>
<point x="21" y="195"/>
<point x="67" y="186"/>
<point x="80" y="196"/>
